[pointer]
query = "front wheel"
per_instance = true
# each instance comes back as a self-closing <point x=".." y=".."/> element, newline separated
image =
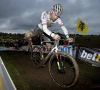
<point x="63" y="69"/>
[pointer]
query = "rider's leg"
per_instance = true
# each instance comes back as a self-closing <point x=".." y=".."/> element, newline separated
<point x="28" y="37"/>
<point x="30" y="34"/>
<point x="48" y="45"/>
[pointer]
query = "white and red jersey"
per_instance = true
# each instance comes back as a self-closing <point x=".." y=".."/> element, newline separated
<point x="45" y="20"/>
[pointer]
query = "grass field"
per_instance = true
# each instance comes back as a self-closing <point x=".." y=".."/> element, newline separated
<point x="26" y="77"/>
<point x="89" y="41"/>
<point x="84" y="40"/>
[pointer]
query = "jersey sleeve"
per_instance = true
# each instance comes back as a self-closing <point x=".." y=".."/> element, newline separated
<point x="44" y="24"/>
<point x="44" y="18"/>
<point x="62" y="27"/>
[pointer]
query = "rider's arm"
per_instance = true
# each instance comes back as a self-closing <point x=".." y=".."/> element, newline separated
<point x="63" y="27"/>
<point x="44" y="24"/>
<point x="65" y="30"/>
<point x="47" y="31"/>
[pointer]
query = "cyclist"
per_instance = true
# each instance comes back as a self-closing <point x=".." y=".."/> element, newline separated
<point x="48" y="18"/>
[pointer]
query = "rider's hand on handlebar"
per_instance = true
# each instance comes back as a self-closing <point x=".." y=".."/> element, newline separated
<point x="56" y="37"/>
<point x="70" y="39"/>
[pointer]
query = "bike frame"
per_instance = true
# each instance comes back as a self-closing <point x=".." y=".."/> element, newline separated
<point x="55" y="49"/>
<point x="56" y="55"/>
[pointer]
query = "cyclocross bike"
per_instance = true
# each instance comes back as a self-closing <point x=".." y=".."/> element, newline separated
<point x="63" y="68"/>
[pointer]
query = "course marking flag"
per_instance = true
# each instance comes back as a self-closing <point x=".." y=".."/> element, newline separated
<point x="81" y="26"/>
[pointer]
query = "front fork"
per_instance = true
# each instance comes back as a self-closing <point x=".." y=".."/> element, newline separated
<point x="59" y="61"/>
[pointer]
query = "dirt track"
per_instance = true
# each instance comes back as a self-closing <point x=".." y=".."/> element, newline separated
<point x="39" y="79"/>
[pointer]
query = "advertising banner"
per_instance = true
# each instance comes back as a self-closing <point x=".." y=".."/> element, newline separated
<point x="2" y="48"/>
<point x="63" y="48"/>
<point x="67" y="49"/>
<point x="89" y="55"/>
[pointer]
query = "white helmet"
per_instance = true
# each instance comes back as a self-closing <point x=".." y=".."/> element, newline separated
<point x="58" y="9"/>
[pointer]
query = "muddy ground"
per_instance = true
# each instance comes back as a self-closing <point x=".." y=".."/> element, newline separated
<point x="26" y="77"/>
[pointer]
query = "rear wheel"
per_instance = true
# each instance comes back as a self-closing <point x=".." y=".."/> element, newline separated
<point x="63" y="69"/>
<point x="36" y="55"/>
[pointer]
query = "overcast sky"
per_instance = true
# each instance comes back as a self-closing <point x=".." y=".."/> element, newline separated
<point x="18" y="16"/>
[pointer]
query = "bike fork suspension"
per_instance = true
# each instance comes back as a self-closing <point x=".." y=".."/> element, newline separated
<point x="59" y="61"/>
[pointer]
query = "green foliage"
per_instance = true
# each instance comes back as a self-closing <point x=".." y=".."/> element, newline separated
<point x="11" y="36"/>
